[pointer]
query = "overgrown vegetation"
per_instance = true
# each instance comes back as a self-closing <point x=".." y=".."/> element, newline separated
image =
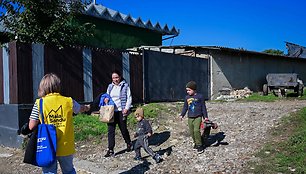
<point x="89" y="127"/>
<point x="286" y="153"/>
<point x="45" y="21"/>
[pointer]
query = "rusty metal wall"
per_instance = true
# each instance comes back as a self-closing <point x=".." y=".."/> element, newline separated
<point x="24" y="73"/>
<point x="166" y="75"/>
<point x="13" y="82"/>
<point x="67" y="63"/>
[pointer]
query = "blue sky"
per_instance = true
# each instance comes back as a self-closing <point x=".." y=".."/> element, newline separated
<point x="250" y="24"/>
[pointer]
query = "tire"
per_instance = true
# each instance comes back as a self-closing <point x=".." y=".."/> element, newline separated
<point x="282" y="93"/>
<point x="265" y="89"/>
<point x="275" y="93"/>
<point x="300" y="91"/>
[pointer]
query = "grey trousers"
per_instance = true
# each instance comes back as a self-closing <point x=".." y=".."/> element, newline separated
<point x="142" y="141"/>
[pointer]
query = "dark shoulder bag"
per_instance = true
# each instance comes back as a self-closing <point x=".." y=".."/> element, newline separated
<point x="30" y="151"/>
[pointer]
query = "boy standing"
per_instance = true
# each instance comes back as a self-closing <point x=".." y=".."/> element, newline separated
<point x="143" y="132"/>
<point x="195" y="104"/>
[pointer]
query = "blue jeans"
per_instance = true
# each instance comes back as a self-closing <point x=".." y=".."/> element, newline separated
<point x="66" y="163"/>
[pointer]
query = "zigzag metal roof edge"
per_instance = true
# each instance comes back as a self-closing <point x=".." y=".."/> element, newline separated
<point x="103" y="12"/>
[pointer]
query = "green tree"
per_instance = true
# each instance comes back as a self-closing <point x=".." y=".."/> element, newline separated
<point x="274" y="52"/>
<point x="45" y="21"/>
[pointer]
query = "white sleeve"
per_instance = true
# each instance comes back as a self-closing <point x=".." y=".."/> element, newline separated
<point x="129" y="99"/>
<point x="34" y="114"/>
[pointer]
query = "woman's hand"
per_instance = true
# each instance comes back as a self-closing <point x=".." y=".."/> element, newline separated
<point x="84" y="108"/>
<point x="125" y="111"/>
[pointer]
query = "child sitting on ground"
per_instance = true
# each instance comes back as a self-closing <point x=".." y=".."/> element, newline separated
<point x="144" y="131"/>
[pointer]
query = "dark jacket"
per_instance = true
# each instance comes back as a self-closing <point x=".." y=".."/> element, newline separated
<point x="195" y="105"/>
<point x="143" y="127"/>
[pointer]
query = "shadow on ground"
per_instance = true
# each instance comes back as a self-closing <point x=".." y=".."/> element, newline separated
<point x="159" y="138"/>
<point x="216" y="140"/>
<point x="139" y="169"/>
<point x="155" y="140"/>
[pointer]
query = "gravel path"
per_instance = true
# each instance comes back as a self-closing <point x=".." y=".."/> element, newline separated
<point x="242" y="131"/>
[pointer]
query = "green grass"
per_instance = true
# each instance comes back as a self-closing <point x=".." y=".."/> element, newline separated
<point x="271" y="97"/>
<point x="286" y="153"/>
<point x="258" y="97"/>
<point x="151" y="111"/>
<point x="89" y="127"/>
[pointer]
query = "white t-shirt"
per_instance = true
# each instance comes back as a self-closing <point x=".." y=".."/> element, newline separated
<point x="115" y="94"/>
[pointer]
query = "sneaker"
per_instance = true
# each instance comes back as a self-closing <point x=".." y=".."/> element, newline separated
<point x="157" y="158"/>
<point x="200" y="149"/>
<point x="129" y="147"/>
<point x="137" y="158"/>
<point x="195" y="147"/>
<point x="109" y="153"/>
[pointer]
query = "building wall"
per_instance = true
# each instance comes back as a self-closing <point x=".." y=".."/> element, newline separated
<point x="165" y="76"/>
<point x="104" y="63"/>
<point x="23" y="66"/>
<point x="237" y="70"/>
<point x="110" y="34"/>
<point x="67" y="63"/>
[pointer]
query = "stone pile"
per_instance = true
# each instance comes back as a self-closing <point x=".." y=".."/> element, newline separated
<point x="228" y="94"/>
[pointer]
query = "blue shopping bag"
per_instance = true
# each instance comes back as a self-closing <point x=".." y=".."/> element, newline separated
<point x="46" y="142"/>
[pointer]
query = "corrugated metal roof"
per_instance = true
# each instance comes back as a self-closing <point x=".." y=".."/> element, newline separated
<point x="189" y="47"/>
<point x="103" y="12"/>
<point x="295" y="50"/>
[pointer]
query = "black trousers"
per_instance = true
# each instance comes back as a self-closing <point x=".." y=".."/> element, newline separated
<point x="112" y="128"/>
<point x="142" y="141"/>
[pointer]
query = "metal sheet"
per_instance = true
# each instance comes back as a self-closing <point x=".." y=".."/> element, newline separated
<point x="166" y="75"/>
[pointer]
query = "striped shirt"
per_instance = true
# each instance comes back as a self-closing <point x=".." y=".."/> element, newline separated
<point x="35" y="113"/>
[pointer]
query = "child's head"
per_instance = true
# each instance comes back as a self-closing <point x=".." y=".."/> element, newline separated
<point x="50" y="83"/>
<point x="191" y="87"/>
<point x="139" y="114"/>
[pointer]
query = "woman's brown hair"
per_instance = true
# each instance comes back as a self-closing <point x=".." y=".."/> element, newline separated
<point x="50" y="83"/>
